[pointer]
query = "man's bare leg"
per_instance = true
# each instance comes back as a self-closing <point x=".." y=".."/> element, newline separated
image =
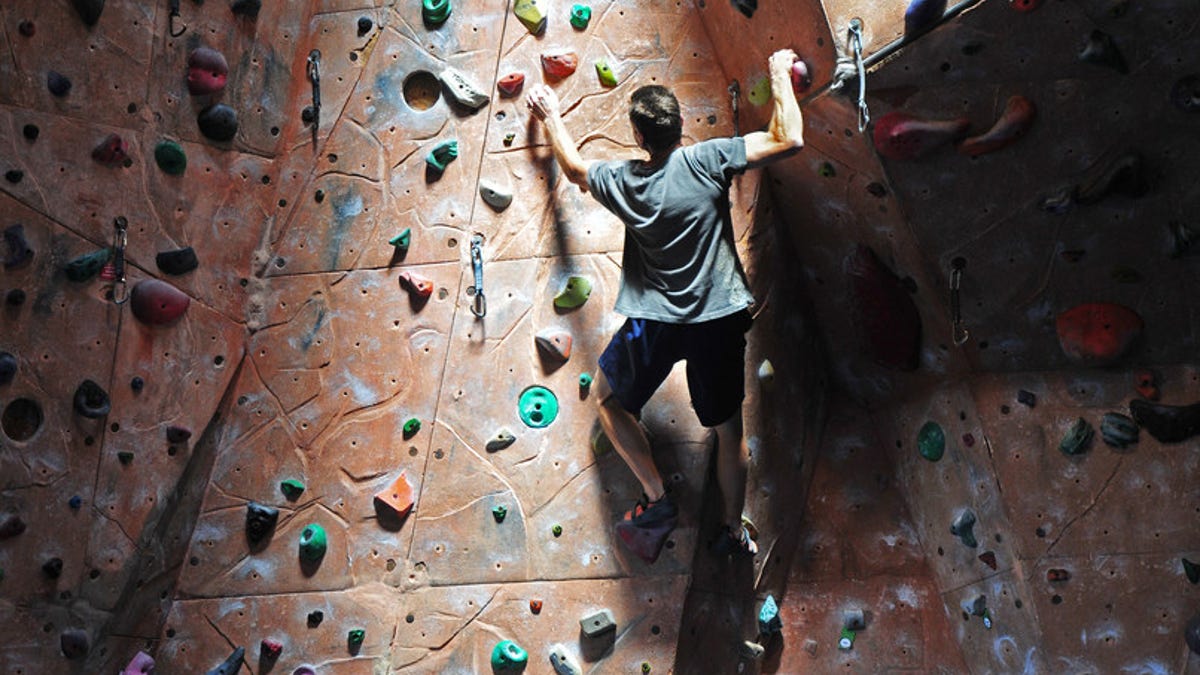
<point x="627" y="437"/>
<point x="733" y="458"/>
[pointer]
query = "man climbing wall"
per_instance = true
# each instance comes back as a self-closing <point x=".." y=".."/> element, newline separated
<point x="683" y="290"/>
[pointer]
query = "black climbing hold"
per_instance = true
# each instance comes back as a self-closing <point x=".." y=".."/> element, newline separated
<point x="125" y="458"/>
<point x="178" y="434"/>
<point x="89" y="10"/>
<point x="746" y="7"/>
<point x="1167" y="423"/>
<point x="75" y="502"/>
<point x="91" y="400"/>
<point x="87" y="265"/>
<point x="8" y="367"/>
<point x="53" y="568"/>
<point x="365" y="24"/>
<point x="58" y="84"/>
<point x="26" y="28"/>
<point x="1191" y="634"/>
<point x="963" y="527"/>
<point x="315" y="618"/>
<point x="232" y="664"/>
<point x="11" y="527"/>
<point x="1192" y="571"/>
<point x="30" y="131"/>
<point x="1101" y="50"/>
<point x="14" y="176"/>
<point x="876" y="189"/>
<point x="1186" y="93"/>
<point x="19" y="253"/>
<point x="246" y="8"/>
<point x="137" y="384"/>
<point x="260" y="521"/>
<point x="74" y="643"/>
<point x="1027" y="398"/>
<point x="179" y="261"/>
<point x="15" y="297"/>
<point x="1123" y="174"/>
<point x="22" y="418"/>
<point x="308" y="114"/>
<point x="319" y="196"/>
<point x="218" y="122"/>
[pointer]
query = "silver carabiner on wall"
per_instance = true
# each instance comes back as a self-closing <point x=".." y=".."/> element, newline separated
<point x="479" y="306"/>
<point x="958" y="332"/>
<point x="313" y="69"/>
<point x="120" y="239"/>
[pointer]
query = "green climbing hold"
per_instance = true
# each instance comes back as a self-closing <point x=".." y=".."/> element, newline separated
<point x="411" y="427"/>
<point x="580" y="16"/>
<point x="435" y="12"/>
<point x="1192" y="571"/>
<point x="537" y="406"/>
<point x="355" y="637"/>
<point x="531" y="15"/>
<point x="1076" y="440"/>
<point x="313" y="543"/>
<point x="170" y="157"/>
<point x="499" y="512"/>
<point x="585" y="380"/>
<point x="125" y="458"/>
<point x="292" y="489"/>
<point x="607" y="77"/>
<point x="760" y="93"/>
<point x="442" y="154"/>
<point x="646" y="668"/>
<point x="509" y="657"/>
<point x="931" y="440"/>
<point x="402" y="240"/>
<point x="87" y="265"/>
<point x="556" y="530"/>
<point x="574" y="294"/>
<point x="827" y="170"/>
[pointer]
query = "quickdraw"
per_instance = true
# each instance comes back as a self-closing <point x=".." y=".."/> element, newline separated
<point x="114" y="271"/>
<point x="735" y="90"/>
<point x="958" y="332"/>
<point x="479" y="306"/>
<point x="174" y="18"/>
<point x="314" y="76"/>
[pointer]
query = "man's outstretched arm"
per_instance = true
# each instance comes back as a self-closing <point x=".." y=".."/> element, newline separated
<point x="785" y="133"/>
<point x="543" y="103"/>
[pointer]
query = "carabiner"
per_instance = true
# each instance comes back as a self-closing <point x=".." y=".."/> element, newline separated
<point x="479" y="306"/>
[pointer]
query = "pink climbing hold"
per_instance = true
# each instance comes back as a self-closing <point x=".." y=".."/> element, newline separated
<point x="902" y="136"/>
<point x="416" y="284"/>
<point x="207" y="71"/>
<point x="112" y="151"/>
<point x="157" y="303"/>
<point x="510" y="84"/>
<point x="141" y="664"/>
<point x="555" y="343"/>
<point x="561" y="64"/>
<point x="884" y="313"/>
<point x="801" y="77"/>
<point x="1025" y="5"/>
<point x="1013" y="123"/>
<point x="271" y="649"/>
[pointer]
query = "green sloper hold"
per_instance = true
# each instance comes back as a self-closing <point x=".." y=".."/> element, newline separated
<point x="355" y="637"/>
<point x="574" y="294"/>
<point x="509" y="657"/>
<point x="313" y="543"/>
<point x="292" y="489"/>
<point x="760" y="93"/>
<point x="530" y="14"/>
<point x="607" y="77"/>
<point x="580" y="16"/>
<point x="538" y="406"/>
<point x="170" y="157"/>
<point x="402" y="240"/>
<point x="435" y="12"/>
<point x="1077" y="438"/>
<point x="932" y="441"/>
<point x="442" y="154"/>
<point x="87" y="265"/>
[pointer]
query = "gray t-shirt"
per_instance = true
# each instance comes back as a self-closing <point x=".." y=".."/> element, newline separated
<point x="679" y="264"/>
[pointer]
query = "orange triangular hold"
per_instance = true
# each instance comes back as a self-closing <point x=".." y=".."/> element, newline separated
<point x="398" y="496"/>
<point x="416" y="283"/>
<point x="555" y="343"/>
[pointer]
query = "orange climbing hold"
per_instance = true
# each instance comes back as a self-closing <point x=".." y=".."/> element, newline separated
<point x="560" y="65"/>
<point x="1097" y="333"/>
<point x="1014" y="122"/>
<point x="902" y="136"/>
<point x="554" y="343"/>
<point x="510" y="84"/>
<point x="416" y="284"/>
<point x="398" y="496"/>
<point x="1147" y="384"/>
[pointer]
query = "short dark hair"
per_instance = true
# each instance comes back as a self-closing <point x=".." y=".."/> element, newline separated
<point x="654" y="111"/>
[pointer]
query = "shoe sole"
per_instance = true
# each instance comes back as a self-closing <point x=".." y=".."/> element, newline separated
<point x="646" y="542"/>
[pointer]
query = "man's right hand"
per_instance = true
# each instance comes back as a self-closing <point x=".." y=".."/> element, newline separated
<point x="780" y="65"/>
<point x="542" y="101"/>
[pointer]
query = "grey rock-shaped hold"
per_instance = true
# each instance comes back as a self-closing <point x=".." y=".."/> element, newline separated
<point x="501" y="440"/>
<point x="562" y="661"/>
<point x="91" y="400"/>
<point x="854" y="619"/>
<point x="74" y="643"/>
<point x="598" y="623"/>
<point x="963" y="527"/>
<point x="231" y="665"/>
<point x="495" y="195"/>
<point x="179" y="261"/>
<point x="1101" y="50"/>
<point x="462" y="89"/>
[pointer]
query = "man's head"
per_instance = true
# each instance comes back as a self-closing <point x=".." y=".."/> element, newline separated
<point x="654" y="111"/>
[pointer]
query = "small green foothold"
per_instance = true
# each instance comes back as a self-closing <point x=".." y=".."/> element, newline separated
<point x="499" y="511"/>
<point x="607" y="77"/>
<point x="442" y="154"/>
<point x="580" y="16"/>
<point x="87" y="265"/>
<point x="509" y="657"/>
<point x="556" y="530"/>
<point x="585" y="380"/>
<point x="435" y="12"/>
<point x="574" y="294"/>
<point x="125" y="458"/>
<point x="313" y="543"/>
<point x="1076" y="440"/>
<point x="931" y="441"/>
<point x="509" y="138"/>
<point x="402" y="240"/>
<point x="1192" y="571"/>
<point x="827" y="170"/>
<point x="170" y="158"/>
<point x="645" y="667"/>
<point x="292" y="489"/>
<point x="411" y="427"/>
<point x="760" y="93"/>
<point x="355" y="637"/>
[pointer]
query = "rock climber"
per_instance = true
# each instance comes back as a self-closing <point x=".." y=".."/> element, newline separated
<point x="683" y="289"/>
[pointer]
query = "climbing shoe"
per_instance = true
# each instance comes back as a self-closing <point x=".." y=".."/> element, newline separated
<point x="645" y="527"/>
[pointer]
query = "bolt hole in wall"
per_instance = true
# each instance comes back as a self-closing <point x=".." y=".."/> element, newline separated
<point x="422" y="90"/>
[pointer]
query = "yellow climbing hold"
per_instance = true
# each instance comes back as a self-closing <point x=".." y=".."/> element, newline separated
<point x="531" y="14"/>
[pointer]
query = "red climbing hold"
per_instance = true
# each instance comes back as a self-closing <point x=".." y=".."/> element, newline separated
<point x="271" y="649"/>
<point x="207" y="71"/>
<point x="1014" y="122"/>
<point x="113" y="151"/>
<point x="398" y="496"/>
<point x="1147" y="384"/>
<point x="561" y="64"/>
<point x="1099" y="333"/>
<point x="884" y="313"/>
<point x="510" y="84"/>
<point x="901" y="136"/>
<point x="1025" y="5"/>
<point x="417" y="284"/>
<point x="157" y="303"/>
<point x="801" y="77"/>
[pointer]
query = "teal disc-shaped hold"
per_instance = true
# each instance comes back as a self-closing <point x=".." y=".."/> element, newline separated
<point x="574" y="294"/>
<point x="538" y="406"/>
<point x="509" y="657"/>
<point x="931" y="440"/>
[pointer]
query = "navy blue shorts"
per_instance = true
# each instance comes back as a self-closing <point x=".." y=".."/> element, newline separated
<point x="642" y="353"/>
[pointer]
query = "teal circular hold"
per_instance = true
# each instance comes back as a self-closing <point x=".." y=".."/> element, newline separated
<point x="435" y="12"/>
<point x="538" y="406"/>
<point x="931" y="441"/>
<point x="509" y="657"/>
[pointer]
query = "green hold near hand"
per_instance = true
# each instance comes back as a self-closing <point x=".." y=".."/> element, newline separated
<point x="292" y="489"/>
<point x="574" y="294"/>
<point x="509" y="657"/>
<point x="607" y="77"/>
<point x="580" y="16"/>
<point x="499" y="512"/>
<point x="87" y="265"/>
<point x="931" y="441"/>
<point x="313" y="543"/>
<point x="402" y="240"/>
<point x="435" y="12"/>
<point x="170" y="157"/>
<point x="411" y="427"/>
<point x="442" y="154"/>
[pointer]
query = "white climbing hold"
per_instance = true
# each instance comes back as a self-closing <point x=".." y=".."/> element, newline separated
<point x="766" y="373"/>
<point x="563" y="662"/>
<point x="463" y="89"/>
<point x="497" y="196"/>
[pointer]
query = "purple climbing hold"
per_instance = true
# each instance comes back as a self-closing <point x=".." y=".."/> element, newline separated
<point x="218" y="122"/>
<point x="137" y="384"/>
<point x="922" y="15"/>
<point x="19" y="253"/>
<point x="74" y="643"/>
<point x="89" y="10"/>
<point x="91" y="400"/>
<point x="14" y="176"/>
<point x="179" y="261"/>
<point x="8" y="367"/>
<point x="746" y="7"/>
<point x="11" y="526"/>
<point x="304" y="670"/>
<point x="157" y="303"/>
<point x="58" y="84"/>
<point x="141" y="664"/>
<point x="112" y="152"/>
<point x="178" y="434"/>
<point x="207" y="71"/>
